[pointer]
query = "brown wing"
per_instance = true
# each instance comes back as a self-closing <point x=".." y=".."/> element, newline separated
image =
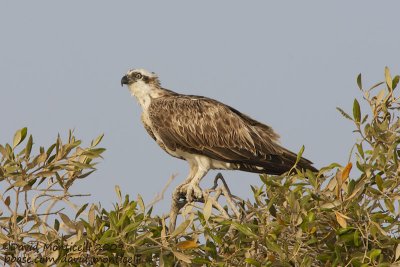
<point x="205" y="126"/>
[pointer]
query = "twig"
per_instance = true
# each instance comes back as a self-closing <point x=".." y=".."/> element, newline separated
<point x="51" y="213"/>
<point x="220" y="208"/>
<point x="48" y="211"/>
<point x="15" y="214"/>
<point x="179" y="201"/>
<point x="220" y="177"/>
<point x="160" y="196"/>
<point x="227" y="193"/>
<point x="176" y="206"/>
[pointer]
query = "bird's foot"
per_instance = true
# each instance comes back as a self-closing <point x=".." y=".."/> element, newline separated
<point x="191" y="191"/>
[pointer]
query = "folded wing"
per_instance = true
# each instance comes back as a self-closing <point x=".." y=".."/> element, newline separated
<point x="207" y="127"/>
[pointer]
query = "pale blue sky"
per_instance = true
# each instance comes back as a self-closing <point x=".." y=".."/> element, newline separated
<point x="285" y="63"/>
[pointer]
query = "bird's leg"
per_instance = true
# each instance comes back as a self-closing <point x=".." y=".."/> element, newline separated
<point x="181" y="189"/>
<point x="179" y="198"/>
<point x="181" y="195"/>
<point x="192" y="188"/>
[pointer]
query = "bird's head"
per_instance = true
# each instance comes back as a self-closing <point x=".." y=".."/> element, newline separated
<point x="142" y="84"/>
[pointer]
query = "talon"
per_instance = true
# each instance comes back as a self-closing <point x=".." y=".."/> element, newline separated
<point x="198" y="193"/>
<point x="191" y="192"/>
<point x="183" y="188"/>
<point x="189" y="197"/>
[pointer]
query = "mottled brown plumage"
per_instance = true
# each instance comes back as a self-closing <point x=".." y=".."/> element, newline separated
<point x="207" y="127"/>
<point x="207" y="133"/>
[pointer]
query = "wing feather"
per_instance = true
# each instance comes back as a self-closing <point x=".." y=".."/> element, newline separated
<point x="205" y="126"/>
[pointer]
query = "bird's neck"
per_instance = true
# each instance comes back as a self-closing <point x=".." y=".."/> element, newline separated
<point x="145" y="93"/>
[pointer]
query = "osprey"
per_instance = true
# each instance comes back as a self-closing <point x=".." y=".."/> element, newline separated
<point x="207" y="133"/>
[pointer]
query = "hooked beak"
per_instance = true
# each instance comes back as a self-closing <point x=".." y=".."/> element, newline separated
<point x="124" y="80"/>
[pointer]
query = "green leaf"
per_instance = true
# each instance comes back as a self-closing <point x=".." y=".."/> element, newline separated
<point x="207" y="208"/>
<point x="356" y="238"/>
<point x="4" y="238"/>
<point x="397" y="252"/>
<point x="252" y="262"/>
<point x="20" y="183"/>
<point x="141" y="238"/>
<point x="216" y="238"/>
<point x="344" y="114"/>
<point x="59" y="180"/>
<point x="374" y="253"/>
<point x="4" y="152"/>
<point x="182" y="227"/>
<point x="118" y="192"/>
<point x="94" y="152"/>
<point x="244" y="229"/>
<point x="96" y="141"/>
<point x="379" y="182"/>
<point x="359" y="83"/>
<point x="380" y="96"/>
<point x="311" y="216"/>
<point x="113" y="219"/>
<point x="351" y="187"/>
<point x="86" y="174"/>
<point x="56" y="224"/>
<point x="311" y="241"/>
<point x="360" y="150"/>
<point x="395" y="81"/>
<point x="67" y="221"/>
<point x="81" y="210"/>
<point x="19" y="136"/>
<point x="376" y="85"/>
<point x="45" y="174"/>
<point x="50" y="150"/>
<point x="182" y="257"/>
<point x="131" y="227"/>
<point x="81" y="165"/>
<point x="41" y="158"/>
<point x="274" y="247"/>
<point x="200" y="261"/>
<point x="92" y="215"/>
<point x="389" y="204"/>
<point x="122" y="219"/>
<point x="108" y="240"/>
<point x="28" y="147"/>
<point x="141" y="203"/>
<point x="300" y="154"/>
<point x="364" y="119"/>
<point x="343" y="231"/>
<point x="7" y="201"/>
<point x="356" y="111"/>
<point x="330" y="205"/>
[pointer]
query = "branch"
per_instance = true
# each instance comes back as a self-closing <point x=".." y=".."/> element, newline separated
<point x="160" y="196"/>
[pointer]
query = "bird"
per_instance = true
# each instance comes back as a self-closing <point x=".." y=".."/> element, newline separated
<point x="208" y="134"/>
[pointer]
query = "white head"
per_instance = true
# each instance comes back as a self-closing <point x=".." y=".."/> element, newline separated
<point x="142" y="84"/>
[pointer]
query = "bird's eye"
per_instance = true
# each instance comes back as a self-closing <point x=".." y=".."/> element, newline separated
<point x="138" y="76"/>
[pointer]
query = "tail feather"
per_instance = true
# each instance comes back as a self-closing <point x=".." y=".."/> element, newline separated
<point x="277" y="164"/>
